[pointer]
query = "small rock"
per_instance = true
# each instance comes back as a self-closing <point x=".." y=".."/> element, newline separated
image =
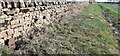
<point x="13" y="22"/>
<point x="3" y="16"/>
<point x="91" y="17"/>
<point x="1" y="43"/>
<point x="3" y="34"/>
<point x="2" y="21"/>
<point x="116" y="32"/>
<point x="60" y="36"/>
<point x="21" y="20"/>
<point x="2" y="28"/>
<point x="10" y="32"/>
<point x="17" y="33"/>
<point x="6" y="9"/>
<point x="17" y="10"/>
<point x="9" y="6"/>
<point x="110" y="24"/>
<point x="8" y="19"/>
<point x="46" y="21"/>
<point x="11" y="43"/>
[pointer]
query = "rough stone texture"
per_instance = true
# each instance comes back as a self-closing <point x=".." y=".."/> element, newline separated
<point x="3" y="34"/>
<point x="11" y="43"/>
<point x="1" y="43"/>
<point x="10" y="32"/>
<point x="21" y="22"/>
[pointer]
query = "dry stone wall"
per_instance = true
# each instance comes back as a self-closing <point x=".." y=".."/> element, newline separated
<point x="21" y="21"/>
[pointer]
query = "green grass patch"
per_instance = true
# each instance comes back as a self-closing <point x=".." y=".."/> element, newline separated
<point x="112" y="14"/>
<point x="115" y="10"/>
<point x="86" y="33"/>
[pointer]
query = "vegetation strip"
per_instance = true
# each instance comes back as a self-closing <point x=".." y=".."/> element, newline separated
<point x="112" y="17"/>
<point x="90" y="30"/>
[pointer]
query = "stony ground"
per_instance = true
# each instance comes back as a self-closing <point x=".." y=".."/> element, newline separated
<point x="85" y="32"/>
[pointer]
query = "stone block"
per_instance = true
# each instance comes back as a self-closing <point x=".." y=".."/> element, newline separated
<point x="45" y="21"/>
<point x="17" y="21"/>
<point x="13" y="22"/>
<point x="2" y="43"/>
<point x="17" y="25"/>
<point x="3" y="34"/>
<point x="38" y="12"/>
<point x="9" y="6"/>
<point x="27" y="19"/>
<point x="31" y="9"/>
<point x="38" y="25"/>
<point x="10" y="32"/>
<point x="41" y="16"/>
<point x="8" y="19"/>
<point x="2" y="28"/>
<point x="2" y="21"/>
<point x="11" y="43"/>
<point x="21" y="20"/>
<point x="20" y="28"/>
<point x="28" y="30"/>
<point x="17" y="10"/>
<point x="3" y="16"/>
<point x="25" y="27"/>
<point x="24" y="33"/>
<point x="5" y="9"/>
<point x="17" y="34"/>
<point x="27" y="15"/>
<point x="40" y="21"/>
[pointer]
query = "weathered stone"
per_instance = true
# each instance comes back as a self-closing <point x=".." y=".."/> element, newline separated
<point x="17" y="10"/>
<point x="27" y="19"/>
<point x="20" y="28"/>
<point x="9" y="26"/>
<point x="2" y="21"/>
<point x="36" y="9"/>
<point x="38" y="25"/>
<point x="21" y="20"/>
<point x="21" y="24"/>
<point x="23" y="15"/>
<point x="25" y="28"/>
<point x="37" y="16"/>
<point x="10" y="32"/>
<point x="11" y="43"/>
<point x="37" y="12"/>
<point x="27" y="14"/>
<point x="45" y="21"/>
<point x="20" y="13"/>
<point x="3" y="34"/>
<point x="41" y="16"/>
<point x="12" y="12"/>
<point x="3" y="16"/>
<point x="5" y="9"/>
<point x="16" y="34"/>
<point x="9" y="6"/>
<point x="40" y="21"/>
<point x="31" y="9"/>
<point x="1" y="6"/>
<point x="2" y="43"/>
<point x="29" y="29"/>
<point x="13" y="22"/>
<point x="2" y="28"/>
<point x="17" y="21"/>
<point x="8" y="19"/>
<point x="24" y="33"/>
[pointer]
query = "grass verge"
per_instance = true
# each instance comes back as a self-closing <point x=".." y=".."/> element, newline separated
<point x="85" y="33"/>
